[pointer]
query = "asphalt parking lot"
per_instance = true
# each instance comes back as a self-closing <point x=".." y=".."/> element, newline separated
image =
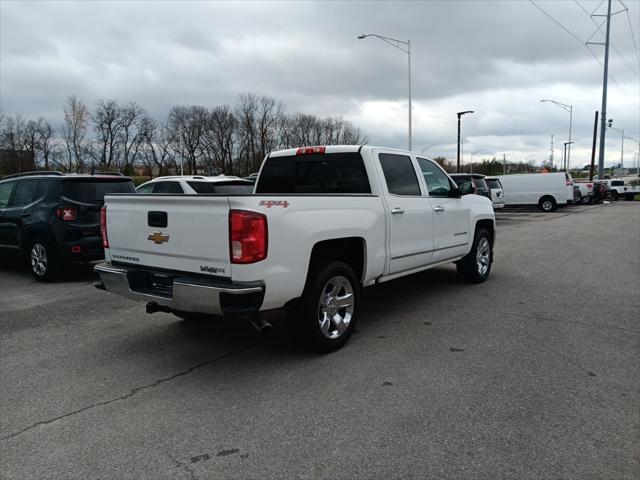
<point x="533" y="374"/>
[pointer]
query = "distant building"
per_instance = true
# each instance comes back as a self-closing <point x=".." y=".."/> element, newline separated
<point x="16" y="161"/>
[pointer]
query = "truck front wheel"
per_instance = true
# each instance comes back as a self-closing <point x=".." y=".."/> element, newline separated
<point x="325" y="317"/>
<point x="476" y="265"/>
<point x="614" y="195"/>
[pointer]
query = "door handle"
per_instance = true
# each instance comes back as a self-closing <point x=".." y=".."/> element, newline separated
<point x="397" y="210"/>
<point x="25" y="215"/>
<point x="438" y="208"/>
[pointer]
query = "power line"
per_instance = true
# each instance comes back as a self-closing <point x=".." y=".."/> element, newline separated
<point x="557" y="22"/>
<point x="610" y="43"/>
<point x="584" y="44"/>
<point x="633" y="37"/>
<point x="612" y="77"/>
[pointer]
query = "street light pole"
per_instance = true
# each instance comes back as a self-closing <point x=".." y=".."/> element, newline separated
<point x="424" y="149"/>
<point x="567" y="108"/>
<point x="397" y="44"/>
<point x="460" y="114"/>
<point x="566" y="158"/>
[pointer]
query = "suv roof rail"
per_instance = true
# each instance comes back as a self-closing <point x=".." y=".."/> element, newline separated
<point x="109" y="173"/>
<point x="34" y="173"/>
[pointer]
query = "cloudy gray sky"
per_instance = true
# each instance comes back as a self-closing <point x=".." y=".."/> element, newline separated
<point x="498" y="58"/>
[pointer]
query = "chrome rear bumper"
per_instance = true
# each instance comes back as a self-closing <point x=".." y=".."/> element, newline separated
<point x="182" y="293"/>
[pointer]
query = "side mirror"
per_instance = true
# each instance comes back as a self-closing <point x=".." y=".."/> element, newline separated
<point x="466" y="188"/>
<point x="455" y="192"/>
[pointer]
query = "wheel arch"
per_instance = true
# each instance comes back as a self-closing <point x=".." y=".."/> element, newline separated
<point x="350" y="250"/>
<point x="31" y="232"/>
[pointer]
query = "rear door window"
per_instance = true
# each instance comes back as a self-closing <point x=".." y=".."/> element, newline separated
<point x="167" y="187"/>
<point x="27" y="192"/>
<point x="93" y="190"/>
<point x="5" y="193"/>
<point x="400" y="175"/>
<point x="481" y="184"/>
<point x="318" y="173"/>
<point x="147" y="188"/>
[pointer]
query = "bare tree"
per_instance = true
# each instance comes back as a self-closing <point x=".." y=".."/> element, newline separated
<point x="131" y="136"/>
<point x="74" y="130"/>
<point x="12" y="132"/>
<point x="107" y="120"/>
<point x="220" y="139"/>
<point x="189" y="124"/>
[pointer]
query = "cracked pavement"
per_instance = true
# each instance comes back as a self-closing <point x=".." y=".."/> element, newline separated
<point x="533" y="374"/>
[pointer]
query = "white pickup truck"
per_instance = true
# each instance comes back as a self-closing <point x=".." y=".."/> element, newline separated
<point x="322" y="223"/>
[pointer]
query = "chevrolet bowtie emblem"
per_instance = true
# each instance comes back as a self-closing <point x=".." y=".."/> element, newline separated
<point x="158" y="237"/>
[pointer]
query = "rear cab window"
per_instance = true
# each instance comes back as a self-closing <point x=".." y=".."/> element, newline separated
<point x="617" y="183"/>
<point x="230" y="186"/>
<point x="317" y="173"/>
<point x="93" y="190"/>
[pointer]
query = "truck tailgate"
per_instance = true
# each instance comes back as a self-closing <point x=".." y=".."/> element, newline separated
<point x="174" y="232"/>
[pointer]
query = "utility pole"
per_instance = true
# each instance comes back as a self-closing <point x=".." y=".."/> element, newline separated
<point x="460" y="114"/>
<point x="593" y="147"/>
<point x="504" y="163"/>
<point x="551" y="154"/>
<point x="603" y="110"/>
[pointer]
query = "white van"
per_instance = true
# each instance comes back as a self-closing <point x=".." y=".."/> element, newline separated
<point x="546" y="190"/>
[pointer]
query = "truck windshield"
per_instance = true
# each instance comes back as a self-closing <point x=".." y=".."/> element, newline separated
<point x="314" y="173"/>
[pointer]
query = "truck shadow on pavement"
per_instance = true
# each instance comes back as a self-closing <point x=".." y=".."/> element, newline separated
<point x="386" y="303"/>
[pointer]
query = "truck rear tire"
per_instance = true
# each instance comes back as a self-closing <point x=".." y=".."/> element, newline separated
<point x="614" y="195"/>
<point x="326" y="315"/>
<point x="476" y="265"/>
<point x="547" y="204"/>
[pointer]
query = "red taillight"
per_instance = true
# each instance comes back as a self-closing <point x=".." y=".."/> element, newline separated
<point x="67" y="214"/>
<point x="247" y="236"/>
<point x="103" y="227"/>
<point x="76" y="249"/>
<point x="568" y="183"/>
<point x="589" y="185"/>
<point x="310" y="150"/>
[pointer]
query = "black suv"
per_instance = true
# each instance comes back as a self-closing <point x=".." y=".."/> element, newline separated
<point x="55" y="218"/>
<point x="477" y="182"/>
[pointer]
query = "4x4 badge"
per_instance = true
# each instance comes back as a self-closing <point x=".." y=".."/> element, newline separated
<point x="158" y="237"/>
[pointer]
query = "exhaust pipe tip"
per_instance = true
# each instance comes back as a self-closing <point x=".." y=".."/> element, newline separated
<point x="153" y="307"/>
<point x="261" y="326"/>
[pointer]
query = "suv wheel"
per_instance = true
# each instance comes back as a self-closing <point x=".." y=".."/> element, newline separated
<point x="43" y="260"/>
<point x="614" y="196"/>
<point x="476" y="265"/>
<point x="326" y="315"/>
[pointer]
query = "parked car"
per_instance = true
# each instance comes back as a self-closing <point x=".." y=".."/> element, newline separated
<point x="497" y="192"/>
<point x="585" y="190"/>
<point x="196" y="185"/>
<point x="546" y="190"/>
<point x="477" y="182"/>
<point x="54" y="218"/>
<point x="617" y="189"/>
<point x="324" y="223"/>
